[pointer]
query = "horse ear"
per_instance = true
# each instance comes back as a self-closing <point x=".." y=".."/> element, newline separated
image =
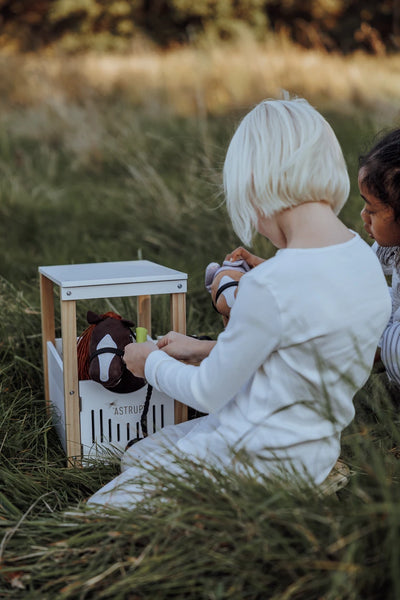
<point x="127" y="322"/>
<point x="92" y="318"/>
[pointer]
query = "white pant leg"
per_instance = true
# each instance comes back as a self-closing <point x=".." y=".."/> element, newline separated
<point x="154" y="446"/>
<point x="128" y="488"/>
<point x="124" y="491"/>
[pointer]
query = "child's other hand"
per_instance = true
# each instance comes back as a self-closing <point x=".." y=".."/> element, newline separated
<point x="135" y="356"/>
<point x="185" y="348"/>
<point x="241" y="253"/>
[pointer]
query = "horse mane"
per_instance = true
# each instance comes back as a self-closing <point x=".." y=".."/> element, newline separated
<point x="84" y="343"/>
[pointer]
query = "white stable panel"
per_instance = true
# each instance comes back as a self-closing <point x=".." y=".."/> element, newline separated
<point x="108" y="420"/>
<point x="115" y="279"/>
<point x="56" y="390"/>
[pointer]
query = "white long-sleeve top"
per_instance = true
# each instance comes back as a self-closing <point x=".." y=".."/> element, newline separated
<point x="279" y="382"/>
<point x="300" y="341"/>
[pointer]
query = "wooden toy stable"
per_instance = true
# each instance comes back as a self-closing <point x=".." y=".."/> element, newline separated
<point x="139" y="278"/>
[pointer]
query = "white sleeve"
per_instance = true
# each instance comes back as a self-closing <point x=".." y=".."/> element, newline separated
<point x="252" y="333"/>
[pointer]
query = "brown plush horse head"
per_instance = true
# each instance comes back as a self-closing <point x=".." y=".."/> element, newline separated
<point x="101" y="350"/>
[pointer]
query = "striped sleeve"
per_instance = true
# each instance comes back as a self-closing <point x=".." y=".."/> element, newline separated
<point x="390" y="351"/>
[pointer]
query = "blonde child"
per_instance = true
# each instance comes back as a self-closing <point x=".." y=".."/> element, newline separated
<point x="379" y="183"/>
<point x="302" y="334"/>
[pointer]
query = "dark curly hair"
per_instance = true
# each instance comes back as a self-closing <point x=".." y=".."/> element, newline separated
<point x="382" y="170"/>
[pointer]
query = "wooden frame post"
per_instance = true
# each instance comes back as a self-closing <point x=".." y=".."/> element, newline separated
<point x="71" y="383"/>
<point x="144" y="312"/>
<point x="178" y="323"/>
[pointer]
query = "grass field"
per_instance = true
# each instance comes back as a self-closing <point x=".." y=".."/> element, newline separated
<point x="115" y="159"/>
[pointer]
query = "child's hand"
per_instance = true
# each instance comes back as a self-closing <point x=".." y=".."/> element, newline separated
<point x="135" y="356"/>
<point x="241" y="253"/>
<point x="185" y="348"/>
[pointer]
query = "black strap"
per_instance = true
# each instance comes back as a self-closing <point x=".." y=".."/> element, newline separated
<point x="106" y="350"/>
<point x="222" y="289"/>
<point x="143" y="418"/>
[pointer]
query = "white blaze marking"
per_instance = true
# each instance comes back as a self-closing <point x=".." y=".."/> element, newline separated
<point x="105" y="359"/>
<point x="229" y="293"/>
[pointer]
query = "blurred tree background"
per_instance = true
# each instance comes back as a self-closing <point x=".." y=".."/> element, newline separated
<point x="74" y="25"/>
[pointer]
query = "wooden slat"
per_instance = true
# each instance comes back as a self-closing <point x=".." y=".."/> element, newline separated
<point x="178" y="313"/>
<point x="178" y="323"/>
<point x="71" y="384"/>
<point x="144" y="312"/>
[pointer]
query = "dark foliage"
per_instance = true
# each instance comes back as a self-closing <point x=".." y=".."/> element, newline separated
<point x="340" y="25"/>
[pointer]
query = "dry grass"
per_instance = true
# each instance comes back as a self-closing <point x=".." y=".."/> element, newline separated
<point x="77" y="99"/>
<point x="209" y="80"/>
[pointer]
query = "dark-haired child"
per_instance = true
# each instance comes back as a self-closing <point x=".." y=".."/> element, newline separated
<point x="379" y="183"/>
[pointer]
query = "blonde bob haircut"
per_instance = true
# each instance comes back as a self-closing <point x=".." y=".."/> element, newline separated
<point x="282" y="154"/>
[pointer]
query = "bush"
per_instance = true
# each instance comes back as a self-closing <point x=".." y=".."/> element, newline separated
<point x="120" y="25"/>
